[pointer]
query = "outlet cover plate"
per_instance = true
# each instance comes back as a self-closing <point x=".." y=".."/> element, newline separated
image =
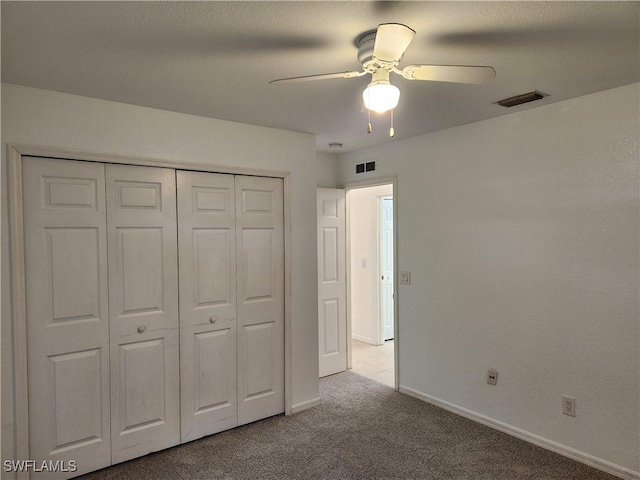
<point x="492" y="376"/>
<point x="568" y="406"/>
<point x="405" y="278"/>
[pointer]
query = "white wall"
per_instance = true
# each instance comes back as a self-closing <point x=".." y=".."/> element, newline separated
<point x="364" y="274"/>
<point x="521" y="234"/>
<point x="326" y="170"/>
<point x="38" y="117"/>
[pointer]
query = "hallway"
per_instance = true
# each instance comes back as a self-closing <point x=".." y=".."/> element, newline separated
<point x="374" y="361"/>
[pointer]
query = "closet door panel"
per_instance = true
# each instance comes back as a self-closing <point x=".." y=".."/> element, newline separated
<point x="206" y="224"/>
<point x="212" y="352"/>
<point x="141" y="383"/>
<point x="67" y="313"/>
<point x="143" y="304"/>
<point x="260" y="266"/>
<point x="140" y="265"/>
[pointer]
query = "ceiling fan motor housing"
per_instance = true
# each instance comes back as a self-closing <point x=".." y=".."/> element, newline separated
<point x="365" y="43"/>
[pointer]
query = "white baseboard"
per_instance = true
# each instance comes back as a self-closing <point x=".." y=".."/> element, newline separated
<point x="307" y="404"/>
<point x="569" y="452"/>
<point x="360" y="338"/>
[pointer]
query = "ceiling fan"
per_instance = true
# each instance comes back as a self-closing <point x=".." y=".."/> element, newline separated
<point x="380" y="52"/>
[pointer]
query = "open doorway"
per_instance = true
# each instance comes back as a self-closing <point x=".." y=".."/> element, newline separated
<point x="371" y="283"/>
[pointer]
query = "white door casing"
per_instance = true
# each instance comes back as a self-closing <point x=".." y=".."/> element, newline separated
<point x="67" y="313"/>
<point x="143" y="307"/>
<point x="386" y="266"/>
<point x="332" y="313"/>
<point x="260" y="296"/>
<point x="206" y="238"/>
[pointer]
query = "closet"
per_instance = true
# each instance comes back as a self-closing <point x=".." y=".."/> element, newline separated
<point x="155" y="307"/>
<point x="231" y="300"/>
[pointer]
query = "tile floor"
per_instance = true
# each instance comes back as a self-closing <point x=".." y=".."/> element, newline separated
<point x="373" y="361"/>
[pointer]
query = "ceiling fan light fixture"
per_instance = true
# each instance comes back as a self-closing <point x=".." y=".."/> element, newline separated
<point x="380" y="96"/>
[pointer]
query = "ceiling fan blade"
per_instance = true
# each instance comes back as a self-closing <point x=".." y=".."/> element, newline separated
<point x="449" y="73"/>
<point x="392" y="39"/>
<point x="322" y="76"/>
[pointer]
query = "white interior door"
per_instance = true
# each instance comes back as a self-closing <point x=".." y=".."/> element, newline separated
<point x="386" y="266"/>
<point x="143" y="307"/>
<point x="67" y="313"/>
<point x="332" y="312"/>
<point x="260" y="291"/>
<point x="207" y="252"/>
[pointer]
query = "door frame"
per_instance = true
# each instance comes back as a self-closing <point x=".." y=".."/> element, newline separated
<point x="374" y="182"/>
<point x="17" y="263"/>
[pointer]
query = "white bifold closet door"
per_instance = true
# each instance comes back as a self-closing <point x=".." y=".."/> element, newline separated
<point x="231" y="241"/>
<point x="260" y="291"/>
<point x="67" y="313"/>
<point x="115" y="371"/>
<point x="208" y="367"/>
<point x="143" y="306"/>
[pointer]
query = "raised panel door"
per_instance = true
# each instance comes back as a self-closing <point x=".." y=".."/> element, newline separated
<point x="260" y="290"/>
<point x="206" y="225"/>
<point x="67" y="314"/>
<point x="332" y="313"/>
<point x="386" y="266"/>
<point x="143" y="306"/>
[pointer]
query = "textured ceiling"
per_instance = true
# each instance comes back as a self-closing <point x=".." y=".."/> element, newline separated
<point x="215" y="59"/>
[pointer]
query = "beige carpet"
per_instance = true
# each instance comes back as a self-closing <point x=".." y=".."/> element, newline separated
<point x="362" y="430"/>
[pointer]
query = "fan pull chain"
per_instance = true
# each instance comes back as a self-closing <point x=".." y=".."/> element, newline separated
<point x="369" y="129"/>
<point x="392" y="132"/>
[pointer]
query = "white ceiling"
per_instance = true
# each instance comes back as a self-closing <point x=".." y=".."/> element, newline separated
<point x="215" y="59"/>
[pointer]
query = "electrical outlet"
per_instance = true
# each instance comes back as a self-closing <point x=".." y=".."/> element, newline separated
<point x="492" y="377"/>
<point x="405" y="278"/>
<point x="569" y="406"/>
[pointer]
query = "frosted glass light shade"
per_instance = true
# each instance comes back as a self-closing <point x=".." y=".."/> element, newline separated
<point x="381" y="97"/>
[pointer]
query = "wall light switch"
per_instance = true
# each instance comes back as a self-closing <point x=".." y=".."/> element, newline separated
<point x="405" y="278"/>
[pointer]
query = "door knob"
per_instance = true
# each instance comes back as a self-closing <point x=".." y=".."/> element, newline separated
<point x="213" y="319"/>
<point x="141" y="328"/>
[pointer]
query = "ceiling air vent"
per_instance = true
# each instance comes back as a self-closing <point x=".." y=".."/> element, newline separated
<point x="366" y="167"/>
<point x="520" y="99"/>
